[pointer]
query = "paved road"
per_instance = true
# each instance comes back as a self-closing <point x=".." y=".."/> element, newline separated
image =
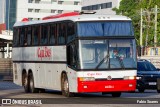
<point x="10" y="90"/>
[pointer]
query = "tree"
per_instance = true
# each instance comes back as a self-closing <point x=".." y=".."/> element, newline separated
<point x="131" y="8"/>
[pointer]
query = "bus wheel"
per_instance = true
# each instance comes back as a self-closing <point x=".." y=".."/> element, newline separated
<point x="32" y="89"/>
<point x="116" y="94"/>
<point x="104" y="93"/>
<point x="65" y="86"/>
<point x="41" y="90"/>
<point x="25" y="83"/>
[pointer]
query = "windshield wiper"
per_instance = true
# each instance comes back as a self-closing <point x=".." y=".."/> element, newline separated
<point x="121" y="62"/>
<point x="100" y="63"/>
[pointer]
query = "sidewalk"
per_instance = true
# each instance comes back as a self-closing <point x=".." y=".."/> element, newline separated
<point x="6" y="77"/>
<point x="5" y="85"/>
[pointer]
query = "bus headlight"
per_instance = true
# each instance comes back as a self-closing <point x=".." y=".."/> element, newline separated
<point x="86" y="79"/>
<point x="129" y="78"/>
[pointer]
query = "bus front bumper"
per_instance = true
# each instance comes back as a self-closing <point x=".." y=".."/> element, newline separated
<point x="106" y="86"/>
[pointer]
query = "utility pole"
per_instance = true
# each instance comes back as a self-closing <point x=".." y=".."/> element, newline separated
<point x="155" y="28"/>
<point x="141" y="27"/>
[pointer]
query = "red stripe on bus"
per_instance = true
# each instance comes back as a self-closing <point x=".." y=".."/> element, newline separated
<point x="106" y="86"/>
<point x="61" y="15"/>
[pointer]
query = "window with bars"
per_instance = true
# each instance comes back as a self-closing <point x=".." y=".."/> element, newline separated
<point x="76" y="3"/>
<point x="30" y="1"/>
<point x="60" y="11"/>
<point x="37" y="10"/>
<point x="30" y="10"/>
<point x="37" y="1"/>
<point x="53" y="11"/>
<point x="60" y="2"/>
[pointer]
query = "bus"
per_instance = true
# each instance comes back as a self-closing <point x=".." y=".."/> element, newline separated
<point x="76" y="53"/>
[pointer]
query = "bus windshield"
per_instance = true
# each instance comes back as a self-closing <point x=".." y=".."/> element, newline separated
<point x="109" y="28"/>
<point x="107" y="54"/>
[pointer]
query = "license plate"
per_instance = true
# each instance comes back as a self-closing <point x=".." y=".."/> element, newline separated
<point x="152" y="83"/>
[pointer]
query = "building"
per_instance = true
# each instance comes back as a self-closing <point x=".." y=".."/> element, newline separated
<point x="7" y="20"/>
<point x="11" y="12"/>
<point x="101" y="6"/>
<point x="15" y="10"/>
<point x="37" y="9"/>
<point x="8" y="13"/>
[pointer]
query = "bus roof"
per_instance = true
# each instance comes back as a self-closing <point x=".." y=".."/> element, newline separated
<point x="77" y="18"/>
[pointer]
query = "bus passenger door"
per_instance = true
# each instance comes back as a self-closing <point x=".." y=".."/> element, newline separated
<point x="72" y="63"/>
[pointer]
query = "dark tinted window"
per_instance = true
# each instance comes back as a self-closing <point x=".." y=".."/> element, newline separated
<point x="72" y="57"/>
<point x="44" y="34"/>
<point x="95" y="7"/>
<point x="29" y="36"/>
<point x="90" y="8"/>
<point x="61" y="33"/>
<point x="53" y="34"/>
<point x="108" y="28"/>
<point x="15" y="36"/>
<point x="145" y="66"/>
<point x="70" y="31"/>
<point x="103" y="5"/>
<point x="85" y="8"/>
<point x="36" y="34"/>
<point x="25" y="36"/>
<point x="109" y="5"/>
<point x="22" y="36"/>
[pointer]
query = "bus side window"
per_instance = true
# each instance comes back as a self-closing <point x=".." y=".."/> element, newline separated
<point x="36" y="34"/>
<point x="44" y="34"/>
<point x="25" y="36"/>
<point x="70" y="32"/>
<point x="53" y="34"/>
<point x="29" y="35"/>
<point x="15" y="36"/>
<point x="22" y="34"/>
<point x="61" y="33"/>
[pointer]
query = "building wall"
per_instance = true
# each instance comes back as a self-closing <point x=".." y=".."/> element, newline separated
<point x="10" y="17"/>
<point x="37" y="9"/>
<point x="100" y="4"/>
<point x="2" y="27"/>
<point x="2" y="11"/>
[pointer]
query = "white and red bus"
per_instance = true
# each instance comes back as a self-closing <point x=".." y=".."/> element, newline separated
<point x="75" y="54"/>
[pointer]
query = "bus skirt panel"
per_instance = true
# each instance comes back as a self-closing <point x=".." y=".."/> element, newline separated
<point x="107" y="86"/>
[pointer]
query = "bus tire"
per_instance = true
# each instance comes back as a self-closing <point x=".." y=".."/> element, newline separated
<point x="25" y="82"/>
<point x="104" y="93"/>
<point x="32" y="88"/>
<point x="116" y="94"/>
<point x="65" y="86"/>
<point x="41" y="90"/>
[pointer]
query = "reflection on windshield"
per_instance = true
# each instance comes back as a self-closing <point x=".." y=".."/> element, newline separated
<point x="122" y="54"/>
<point x="92" y="53"/>
<point x="107" y="54"/>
